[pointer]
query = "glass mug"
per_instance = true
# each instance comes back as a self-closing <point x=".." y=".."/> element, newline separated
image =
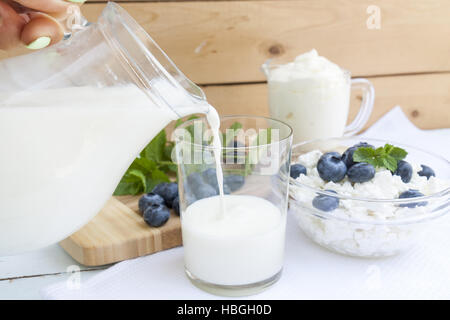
<point x="317" y="107"/>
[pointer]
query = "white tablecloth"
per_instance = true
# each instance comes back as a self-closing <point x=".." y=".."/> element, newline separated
<point x="310" y="272"/>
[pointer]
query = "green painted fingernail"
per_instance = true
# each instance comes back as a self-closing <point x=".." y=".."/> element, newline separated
<point x="39" y="43"/>
<point x="77" y="1"/>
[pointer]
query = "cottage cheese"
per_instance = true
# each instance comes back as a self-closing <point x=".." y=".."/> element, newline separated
<point x="356" y="227"/>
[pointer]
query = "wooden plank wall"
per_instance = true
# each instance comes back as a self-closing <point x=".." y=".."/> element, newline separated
<point x="221" y="45"/>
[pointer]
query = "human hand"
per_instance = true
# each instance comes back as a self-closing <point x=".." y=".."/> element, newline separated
<point x="33" y="23"/>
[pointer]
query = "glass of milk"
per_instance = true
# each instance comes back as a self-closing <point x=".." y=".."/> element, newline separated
<point x="312" y="95"/>
<point x="234" y="242"/>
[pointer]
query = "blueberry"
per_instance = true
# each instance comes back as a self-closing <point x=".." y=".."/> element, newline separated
<point x="361" y="172"/>
<point x="168" y="191"/>
<point x="210" y="176"/>
<point x="171" y="193"/>
<point x="160" y="188"/>
<point x="404" y="170"/>
<point x="363" y="144"/>
<point x="426" y="172"/>
<point x="296" y="170"/>
<point x="412" y="193"/>
<point x="204" y="191"/>
<point x="194" y="180"/>
<point x="149" y="199"/>
<point x="347" y="156"/>
<point x="226" y="189"/>
<point x="331" y="167"/>
<point x="189" y="197"/>
<point x="156" y="215"/>
<point x="326" y="203"/>
<point x="176" y="205"/>
<point x="234" y="182"/>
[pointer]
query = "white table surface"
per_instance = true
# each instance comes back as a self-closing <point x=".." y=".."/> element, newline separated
<point x="22" y="276"/>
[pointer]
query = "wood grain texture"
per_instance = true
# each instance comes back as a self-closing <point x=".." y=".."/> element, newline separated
<point x="425" y="99"/>
<point x="227" y="41"/>
<point x="124" y="1"/>
<point x="118" y="233"/>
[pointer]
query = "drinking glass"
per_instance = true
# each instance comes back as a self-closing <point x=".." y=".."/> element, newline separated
<point x="231" y="252"/>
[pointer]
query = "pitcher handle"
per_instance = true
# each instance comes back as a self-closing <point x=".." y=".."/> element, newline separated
<point x="366" y="107"/>
<point x="71" y="22"/>
<point x="74" y="21"/>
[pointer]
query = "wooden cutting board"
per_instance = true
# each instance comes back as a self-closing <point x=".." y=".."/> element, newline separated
<point x="118" y="233"/>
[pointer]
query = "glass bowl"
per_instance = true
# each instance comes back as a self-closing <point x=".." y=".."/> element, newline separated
<point x="365" y="226"/>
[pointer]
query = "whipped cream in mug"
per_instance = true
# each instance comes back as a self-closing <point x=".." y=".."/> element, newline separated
<point x="311" y="94"/>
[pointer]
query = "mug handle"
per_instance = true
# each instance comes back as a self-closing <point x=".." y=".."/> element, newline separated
<point x="366" y="107"/>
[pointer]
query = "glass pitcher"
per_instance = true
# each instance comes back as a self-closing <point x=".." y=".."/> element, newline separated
<point x="72" y="119"/>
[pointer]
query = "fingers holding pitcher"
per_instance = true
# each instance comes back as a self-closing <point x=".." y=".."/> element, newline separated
<point x="35" y="24"/>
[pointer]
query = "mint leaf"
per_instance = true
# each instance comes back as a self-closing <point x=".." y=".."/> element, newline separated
<point x="364" y="154"/>
<point x="155" y="149"/>
<point x="140" y="175"/>
<point x="398" y="153"/>
<point x="143" y="164"/>
<point x="129" y="184"/>
<point x="135" y="179"/>
<point x="390" y="163"/>
<point x="168" y="150"/>
<point x="375" y="162"/>
<point x="127" y="188"/>
<point x="379" y="162"/>
<point x="382" y="157"/>
<point x="236" y="126"/>
<point x="153" y="165"/>
<point x="388" y="148"/>
<point x="179" y="122"/>
<point x="157" y="176"/>
<point x="379" y="151"/>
